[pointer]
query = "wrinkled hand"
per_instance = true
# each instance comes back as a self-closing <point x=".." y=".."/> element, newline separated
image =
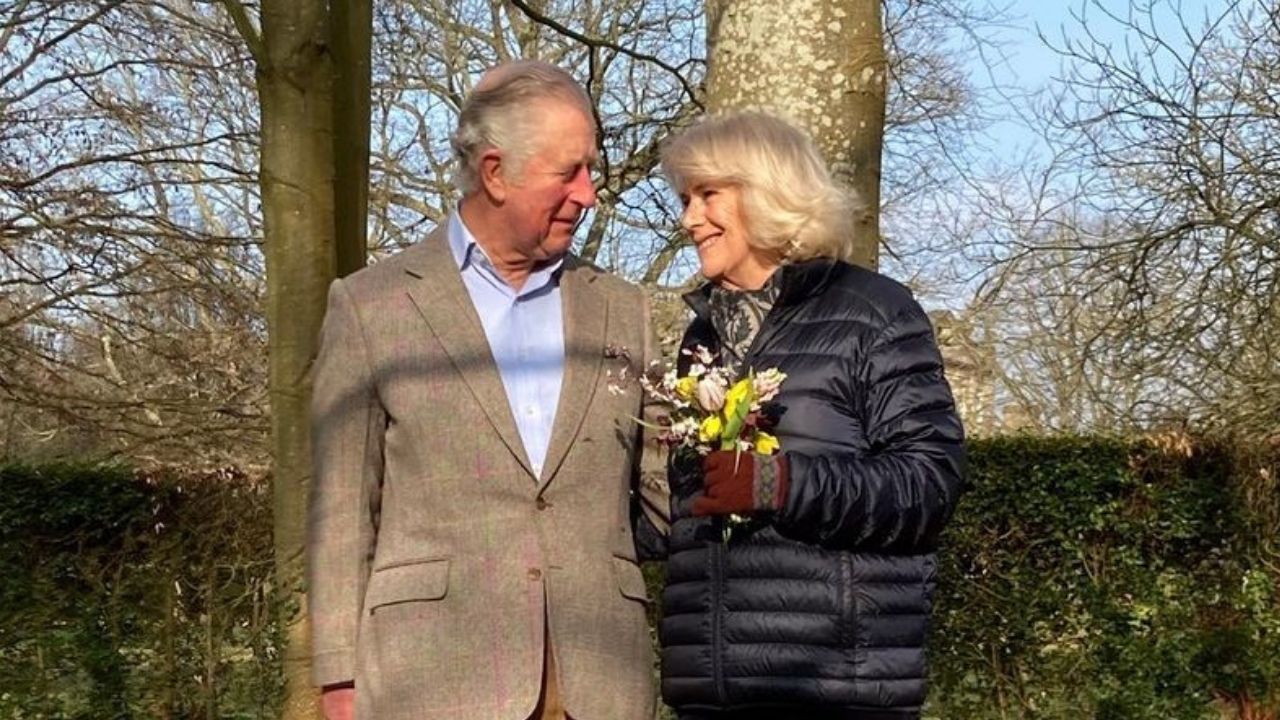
<point x="338" y="702"/>
<point x="741" y="483"/>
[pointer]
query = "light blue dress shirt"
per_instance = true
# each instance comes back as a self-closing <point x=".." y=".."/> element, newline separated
<point x="525" y="330"/>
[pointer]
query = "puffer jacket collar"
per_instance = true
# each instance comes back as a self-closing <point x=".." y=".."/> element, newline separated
<point x="800" y="281"/>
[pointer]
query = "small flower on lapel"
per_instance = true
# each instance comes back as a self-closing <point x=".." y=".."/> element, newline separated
<point x="618" y="385"/>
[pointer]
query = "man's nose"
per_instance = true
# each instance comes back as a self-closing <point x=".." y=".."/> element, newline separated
<point x="584" y="190"/>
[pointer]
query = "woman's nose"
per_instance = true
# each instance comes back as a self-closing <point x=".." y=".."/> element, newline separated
<point x="691" y="217"/>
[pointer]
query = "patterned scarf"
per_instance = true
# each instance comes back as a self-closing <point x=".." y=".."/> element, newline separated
<point x="737" y="316"/>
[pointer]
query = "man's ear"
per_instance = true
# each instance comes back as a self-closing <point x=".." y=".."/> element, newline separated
<point x="492" y="177"/>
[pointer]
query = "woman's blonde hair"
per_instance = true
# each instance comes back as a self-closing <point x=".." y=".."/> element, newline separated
<point x="791" y="205"/>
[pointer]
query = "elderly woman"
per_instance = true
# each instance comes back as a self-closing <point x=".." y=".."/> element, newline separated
<point x="819" y="605"/>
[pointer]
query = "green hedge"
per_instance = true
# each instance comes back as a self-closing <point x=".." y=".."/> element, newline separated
<point x="1087" y="578"/>
<point x="1082" y="578"/>
<point x="132" y="595"/>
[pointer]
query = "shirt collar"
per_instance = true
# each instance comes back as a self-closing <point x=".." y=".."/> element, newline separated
<point x="467" y="252"/>
<point x="461" y="242"/>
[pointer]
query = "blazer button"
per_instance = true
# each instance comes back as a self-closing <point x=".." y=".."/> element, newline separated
<point x="535" y="574"/>
<point x="541" y="503"/>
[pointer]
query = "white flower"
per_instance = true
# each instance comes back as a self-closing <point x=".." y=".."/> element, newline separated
<point x="687" y="426"/>
<point x="669" y="380"/>
<point x="684" y="430"/>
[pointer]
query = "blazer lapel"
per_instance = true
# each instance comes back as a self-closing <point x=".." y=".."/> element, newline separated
<point x="585" y="310"/>
<point x="442" y="300"/>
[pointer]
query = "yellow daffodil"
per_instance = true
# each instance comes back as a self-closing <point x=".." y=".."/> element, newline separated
<point x="766" y="444"/>
<point x="686" y="386"/>
<point x="710" y="428"/>
<point x="739" y="393"/>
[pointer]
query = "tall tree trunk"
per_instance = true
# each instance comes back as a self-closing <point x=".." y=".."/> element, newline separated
<point x="313" y="91"/>
<point x="822" y="64"/>
<point x="295" y="89"/>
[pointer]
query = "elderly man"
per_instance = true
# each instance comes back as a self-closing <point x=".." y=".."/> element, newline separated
<point x="471" y="550"/>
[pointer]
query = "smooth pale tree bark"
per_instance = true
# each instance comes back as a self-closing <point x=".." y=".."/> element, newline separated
<point x="820" y="63"/>
<point x="313" y="91"/>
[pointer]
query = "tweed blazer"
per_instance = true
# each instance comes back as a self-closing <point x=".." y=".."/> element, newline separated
<point x="435" y="556"/>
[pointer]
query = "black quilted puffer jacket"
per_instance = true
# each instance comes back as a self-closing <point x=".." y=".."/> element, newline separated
<point x="822" y="609"/>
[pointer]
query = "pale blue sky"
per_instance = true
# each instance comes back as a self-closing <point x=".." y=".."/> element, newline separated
<point x="1017" y="63"/>
<point x="1030" y="64"/>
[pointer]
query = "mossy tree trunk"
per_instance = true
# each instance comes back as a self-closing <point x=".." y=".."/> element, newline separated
<point x="312" y="59"/>
<point x="822" y="64"/>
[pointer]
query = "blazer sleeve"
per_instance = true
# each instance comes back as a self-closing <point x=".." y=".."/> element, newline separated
<point x="897" y="496"/>
<point x="347" y="424"/>
<point x="650" y="494"/>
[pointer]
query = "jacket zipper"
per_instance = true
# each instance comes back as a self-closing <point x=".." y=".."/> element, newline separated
<point x="768" y="325"/>
<point x="746" y="365"/>
<point x="848" y="611"/>
<point x="717" y="610"/>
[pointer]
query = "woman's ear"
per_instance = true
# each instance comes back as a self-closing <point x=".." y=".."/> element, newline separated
<point x="492" y="177"/>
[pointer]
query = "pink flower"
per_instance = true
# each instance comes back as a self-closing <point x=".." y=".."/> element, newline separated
<point x="767" y="384"/>
<point x="710" y="394"/>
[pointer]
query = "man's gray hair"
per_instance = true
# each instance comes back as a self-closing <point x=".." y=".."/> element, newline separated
<point x="496" y="115"/>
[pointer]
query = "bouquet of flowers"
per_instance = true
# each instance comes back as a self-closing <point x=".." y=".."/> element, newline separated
<point x="708" y="410"/>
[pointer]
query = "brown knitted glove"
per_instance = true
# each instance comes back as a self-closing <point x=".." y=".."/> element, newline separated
<point x="741" y="483"/>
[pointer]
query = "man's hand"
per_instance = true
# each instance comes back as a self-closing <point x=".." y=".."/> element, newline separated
<point x="741" y="483"/>
<point x="338" y="702"/>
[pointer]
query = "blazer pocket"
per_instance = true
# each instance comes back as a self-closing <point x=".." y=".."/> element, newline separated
<point x="630" y="579"/>
<point x="412" y="582"/>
